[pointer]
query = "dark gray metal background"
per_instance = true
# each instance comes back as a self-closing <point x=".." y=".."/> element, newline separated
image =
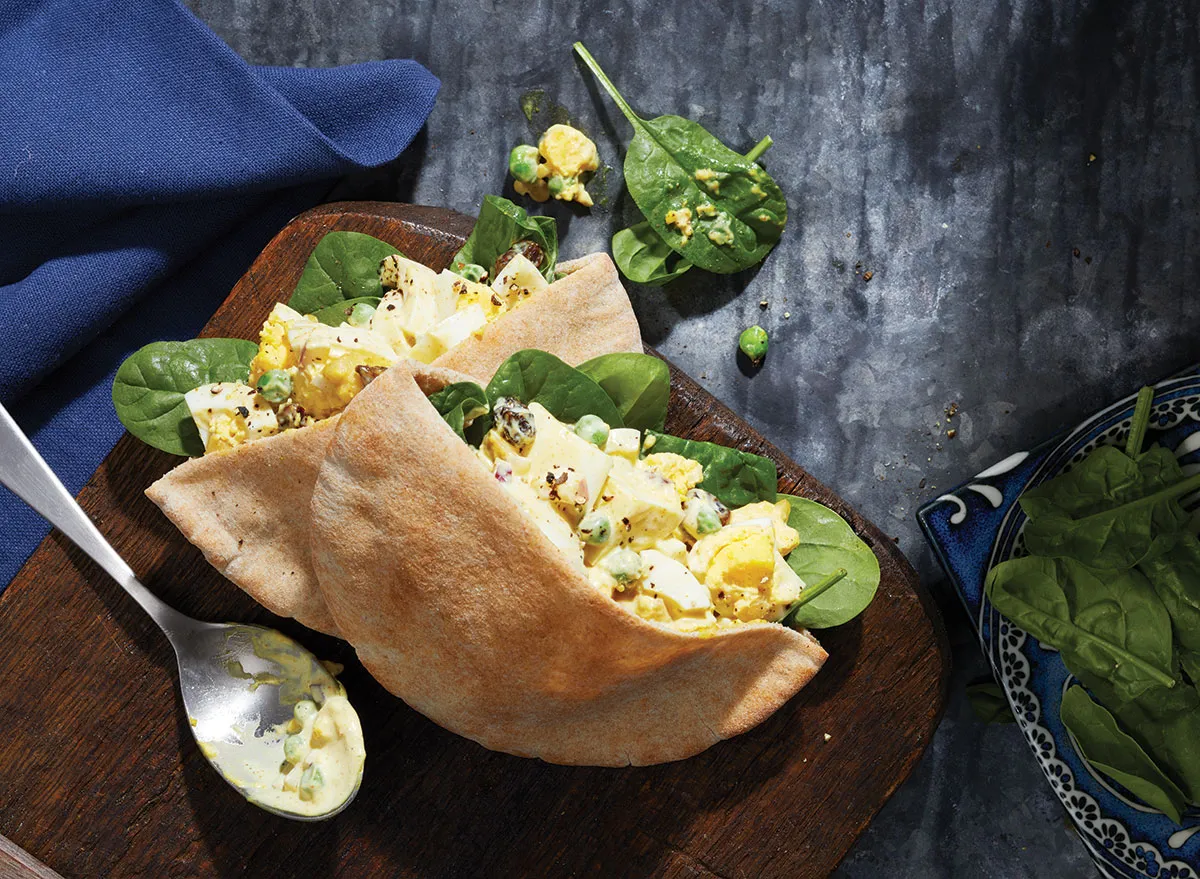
<point x="959" y="150"/>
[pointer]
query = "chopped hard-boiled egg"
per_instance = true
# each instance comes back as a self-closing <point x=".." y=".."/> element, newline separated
<point x="229" y="413"/>
<point x="630" y="535"/>
<point x="311" y="371"/>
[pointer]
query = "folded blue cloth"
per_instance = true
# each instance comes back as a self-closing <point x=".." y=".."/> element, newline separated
<point x="143" y="165"/>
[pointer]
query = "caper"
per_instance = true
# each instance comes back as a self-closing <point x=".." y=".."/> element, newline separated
<point x="523" y="163"/>
<point x="515" y="421"/>
<point x="753" y="342"/>
<point x="275" y="385"/>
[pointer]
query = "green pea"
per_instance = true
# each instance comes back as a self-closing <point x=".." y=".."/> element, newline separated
<point x="310" y="782"/>
<point x="293" y="748"/>
<point x="557" y="184"/>
<point x="753" y="342"/>
<point x="474" y="272"/>
<point x="275" y="385"/>
<point x="707" y="520"/>
<point x="304" y="711"/>
<point x="593" y="429"/>
<point x="523" y="162"/>
<point x="361" y="314"/>
<point x="624" y="565"/>
<point x="596" y="528"/>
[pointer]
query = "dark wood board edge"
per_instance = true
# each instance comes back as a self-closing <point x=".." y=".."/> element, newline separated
<point x="716" y="418"/>
<point x="16" y="863"/>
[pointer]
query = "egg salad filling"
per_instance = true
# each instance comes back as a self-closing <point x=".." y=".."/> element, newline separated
<point x="640" y="528"/>
<point x="306" y="370"/>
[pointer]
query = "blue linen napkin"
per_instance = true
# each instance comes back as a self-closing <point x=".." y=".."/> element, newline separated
<point x="143" y="165"/>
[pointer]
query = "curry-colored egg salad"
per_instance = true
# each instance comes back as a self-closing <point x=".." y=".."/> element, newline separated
<point x="306" y="370"/>
<point x="640" y="528"/>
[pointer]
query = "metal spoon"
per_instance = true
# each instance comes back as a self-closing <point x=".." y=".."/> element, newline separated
<point x="236" y="679"/>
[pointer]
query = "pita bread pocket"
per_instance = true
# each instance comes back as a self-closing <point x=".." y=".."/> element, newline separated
<point x="445" y="566"/>
<point x="249" y="409"/>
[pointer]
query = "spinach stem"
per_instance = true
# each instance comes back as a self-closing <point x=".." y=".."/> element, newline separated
<point x="811" y="592"/>
<point x="759" y="148"/>
<point x="593" y="66"/>
<point x="1139" y="423"/>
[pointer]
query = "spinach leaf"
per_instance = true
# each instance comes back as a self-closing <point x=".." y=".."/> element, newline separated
<point x="463" y="405"/>
<point x="1109" y="511"/>
<point x="737" y="478"/>
<point x="810" y="593"/>
<point x="1117" y="755"/>
<point x="1110" y="625"/>
<point x="827" y="542"/>
<point x="535" y="376"/>
<point x="719" y="209"/>
<point x="344" y="265"/>
<point x="334" y="315"/>
<point x="502" y="224"/>
<point x="639" y="384"/>
<point x="1175" y="576"/>
<point x="149" y="386"/>
<point x="644" y="258"/>
<point x="988" y="702"/>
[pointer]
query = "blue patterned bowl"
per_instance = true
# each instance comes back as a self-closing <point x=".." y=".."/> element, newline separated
<point x="978" y="525"/>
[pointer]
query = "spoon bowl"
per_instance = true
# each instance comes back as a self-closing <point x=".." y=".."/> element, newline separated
<point x="240" y="683"/>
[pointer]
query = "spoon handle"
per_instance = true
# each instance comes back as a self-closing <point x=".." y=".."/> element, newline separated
<point x="30" y="478"/>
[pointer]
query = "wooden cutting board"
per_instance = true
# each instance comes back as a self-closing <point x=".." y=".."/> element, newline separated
<point x="100" y="776"/>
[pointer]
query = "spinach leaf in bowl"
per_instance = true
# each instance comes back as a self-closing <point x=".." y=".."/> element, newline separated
<point x="502" y="224"/>
<point x="1110" y="625"/>
<point x="1107" y="747"/>
<point x="149" y="387"/>
<point x="719" y="209"/>
<point x="644" y="258"/>
<point x="536" y="376"/>
<point x="736" y="478"/>
<point x="1175" y="576"/>
<point x="343" y="265"/>
<point x="639" y="385"/>
<point x="827" y="543"/>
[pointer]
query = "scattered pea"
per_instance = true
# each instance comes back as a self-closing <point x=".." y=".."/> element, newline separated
<point x="523" y="162"/>
<point x="596" y="528"/>
<point x="275" y="385"/>
<point x="558" y="184"/>
<point x="753" y="342"/>
<point x="707" y="521"/>
<point x="593" y="429"/>
<point x="361" y="314"/>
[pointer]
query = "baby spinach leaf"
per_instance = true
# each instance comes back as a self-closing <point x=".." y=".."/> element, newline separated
<point x="463" y="405"/>
<point x="827" y="543"/>
<point x="344" y="265"/>
<point x="988" y="702"/>
<point x="639" y="384"/>
<point x="537" y="377"/>
<point x="1175" y="576"/>
<point x="810" y="593"/>
<point x="149" y="386"/>
<point x="1111" y="625"/>
<point x="334" y="315"/>
<point x="1109" y="511"/>
<point x="1164" y="721"/>
<point x="1116" y="754"/>
<point x="502" y="224"/>
<point x="737" y="478"/>
<point x="719" y="209"/>
<point x="644" y="258"/>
